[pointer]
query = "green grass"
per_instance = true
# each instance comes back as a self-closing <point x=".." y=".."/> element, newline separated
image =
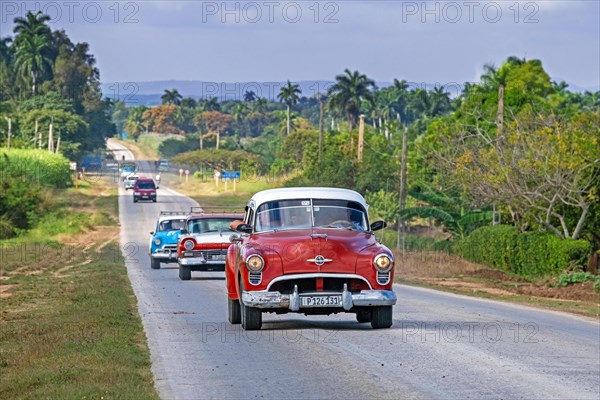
<point x="69" y="326"/>
<point x="208" y="195"/>
<point x="148" y="144"/>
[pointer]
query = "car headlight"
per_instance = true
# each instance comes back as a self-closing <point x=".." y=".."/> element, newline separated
<point x="383" y="263"/>
<point x="157" y="241"/>
<point x="188" y="244"/>
<point x="255" y="263"/>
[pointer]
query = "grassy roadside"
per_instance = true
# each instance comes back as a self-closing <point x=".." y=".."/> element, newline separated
<point x="69" y="321"/>
<point x="451" y="273"/>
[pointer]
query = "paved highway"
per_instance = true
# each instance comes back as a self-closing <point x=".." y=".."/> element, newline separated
<point x="440" y="346"/>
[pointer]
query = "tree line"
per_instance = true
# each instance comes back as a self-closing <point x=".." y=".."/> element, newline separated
<point x="50" y="93"/>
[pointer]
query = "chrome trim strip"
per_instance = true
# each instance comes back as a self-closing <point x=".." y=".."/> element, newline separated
<point x="316" y="275"/>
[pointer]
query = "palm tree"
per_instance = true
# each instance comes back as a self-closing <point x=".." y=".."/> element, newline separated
<point x="249" y="96"/>
<point x="31" y="25"/>
<point x="289" y="94"/>
<point x="32" y="43"/>
<point x="211" y="104"/>
<point x="347" y="93"/>
<point x="32" y="60"/>
<point x="240" y="111"/>
<point x="260" y="105"/>
<point x="171" y="97"/>
<point x="496" y="78"/>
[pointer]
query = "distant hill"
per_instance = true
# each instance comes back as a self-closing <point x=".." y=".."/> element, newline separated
<point x="149" y="93"/>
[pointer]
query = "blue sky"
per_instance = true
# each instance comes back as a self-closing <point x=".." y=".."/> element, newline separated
<point x="435" y="42"/>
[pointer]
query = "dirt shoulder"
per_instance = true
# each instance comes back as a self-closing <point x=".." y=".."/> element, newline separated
<point x="451" y="273"/>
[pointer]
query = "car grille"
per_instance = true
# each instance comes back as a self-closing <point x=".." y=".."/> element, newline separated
<point x="211" y="255"/>
<point x="310" y="285"/>
<point x="168" y="248"/>
<point x="383" y="278"/>
<point x="255" y="278"/>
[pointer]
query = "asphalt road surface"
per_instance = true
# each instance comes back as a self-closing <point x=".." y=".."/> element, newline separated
<point x="441" y="346"/>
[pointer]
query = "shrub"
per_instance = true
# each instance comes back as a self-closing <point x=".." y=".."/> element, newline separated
<point x="529" y="254"/>
<point x="575" y="277"/>
<point x="20" y="203"/>
<point x="38" y="166"/>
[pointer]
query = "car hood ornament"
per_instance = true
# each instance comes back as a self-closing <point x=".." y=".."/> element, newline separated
<point x="319" y="260"/>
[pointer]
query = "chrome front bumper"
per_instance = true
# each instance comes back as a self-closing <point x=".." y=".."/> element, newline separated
<point x="165" y="256"/>
<point x="366" y="298"/>
<point x="199" y="261"/>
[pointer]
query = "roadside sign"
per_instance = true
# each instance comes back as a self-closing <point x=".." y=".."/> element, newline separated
<point x="230" y="175"/>
<point x="73" y="166"/>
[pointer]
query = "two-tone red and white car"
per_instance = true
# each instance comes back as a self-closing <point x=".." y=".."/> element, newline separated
<point x="203" y="244"/>
<point x="309" y="251"/>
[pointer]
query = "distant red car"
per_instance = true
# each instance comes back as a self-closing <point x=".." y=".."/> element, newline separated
<point x="310" y="251"/>
<point x="203" y="245"/>
<point x="144" y="189"/>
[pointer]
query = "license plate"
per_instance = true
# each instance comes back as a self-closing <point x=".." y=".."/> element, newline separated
<point x="321" y="301"/>
<point x="219" y="257"/>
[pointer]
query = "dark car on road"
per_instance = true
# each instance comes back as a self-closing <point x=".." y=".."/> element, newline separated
<point x="144" y="189"/>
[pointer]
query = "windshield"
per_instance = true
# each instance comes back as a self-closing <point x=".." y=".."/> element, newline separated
<point x="171" y="225"/>
<point x="128" y="168"/>
<point x="145" y="185"/>
<point x="205" y="225"/>
<point x="306" y="213"/>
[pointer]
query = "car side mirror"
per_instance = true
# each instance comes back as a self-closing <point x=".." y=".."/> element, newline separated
<point x="152" y="233"/>
<point x="235" y="239"/>
<point x="377" y="225"/>
<point x="184" y="232"/>
<point x="244" y="228"/>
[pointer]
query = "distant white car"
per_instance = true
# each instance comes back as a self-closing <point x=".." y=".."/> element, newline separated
<point x="129" y="182"/>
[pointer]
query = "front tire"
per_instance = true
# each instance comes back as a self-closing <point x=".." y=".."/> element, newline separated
<point x="251" y="317"/>
<point x="154" y="263"/>
<point x="235" y="312"/>
<point x="381" y="317"/>
<point x="185" y="272"/>
<point x="364" y="316"/>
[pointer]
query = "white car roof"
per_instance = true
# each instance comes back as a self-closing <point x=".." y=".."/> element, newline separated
<point x="307" y="193"/>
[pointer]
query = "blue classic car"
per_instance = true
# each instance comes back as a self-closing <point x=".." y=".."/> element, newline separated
<point x="163" y="244"/>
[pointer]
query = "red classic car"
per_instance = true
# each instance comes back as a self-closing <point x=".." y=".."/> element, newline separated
<point x="202" y="246"/>
<point x="310" y="251"/>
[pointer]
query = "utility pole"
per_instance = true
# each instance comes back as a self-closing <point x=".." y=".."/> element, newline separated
<point x="58" y="142"/>
<point x="50" y="139"/>
<point x="402" y="183"/>
<point x="361" y="137"/>
<point x="321" y="124"/>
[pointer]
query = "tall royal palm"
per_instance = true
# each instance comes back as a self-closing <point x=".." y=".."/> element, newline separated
<point x="32" y="25"/>
<point x="348" y="92"/>
<point x="33" y="46"/>
<point x="32" y="59"/>
<point x="496" y="79"/>
<point x="289" y="94"/>
<point x="171" y="97"/>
